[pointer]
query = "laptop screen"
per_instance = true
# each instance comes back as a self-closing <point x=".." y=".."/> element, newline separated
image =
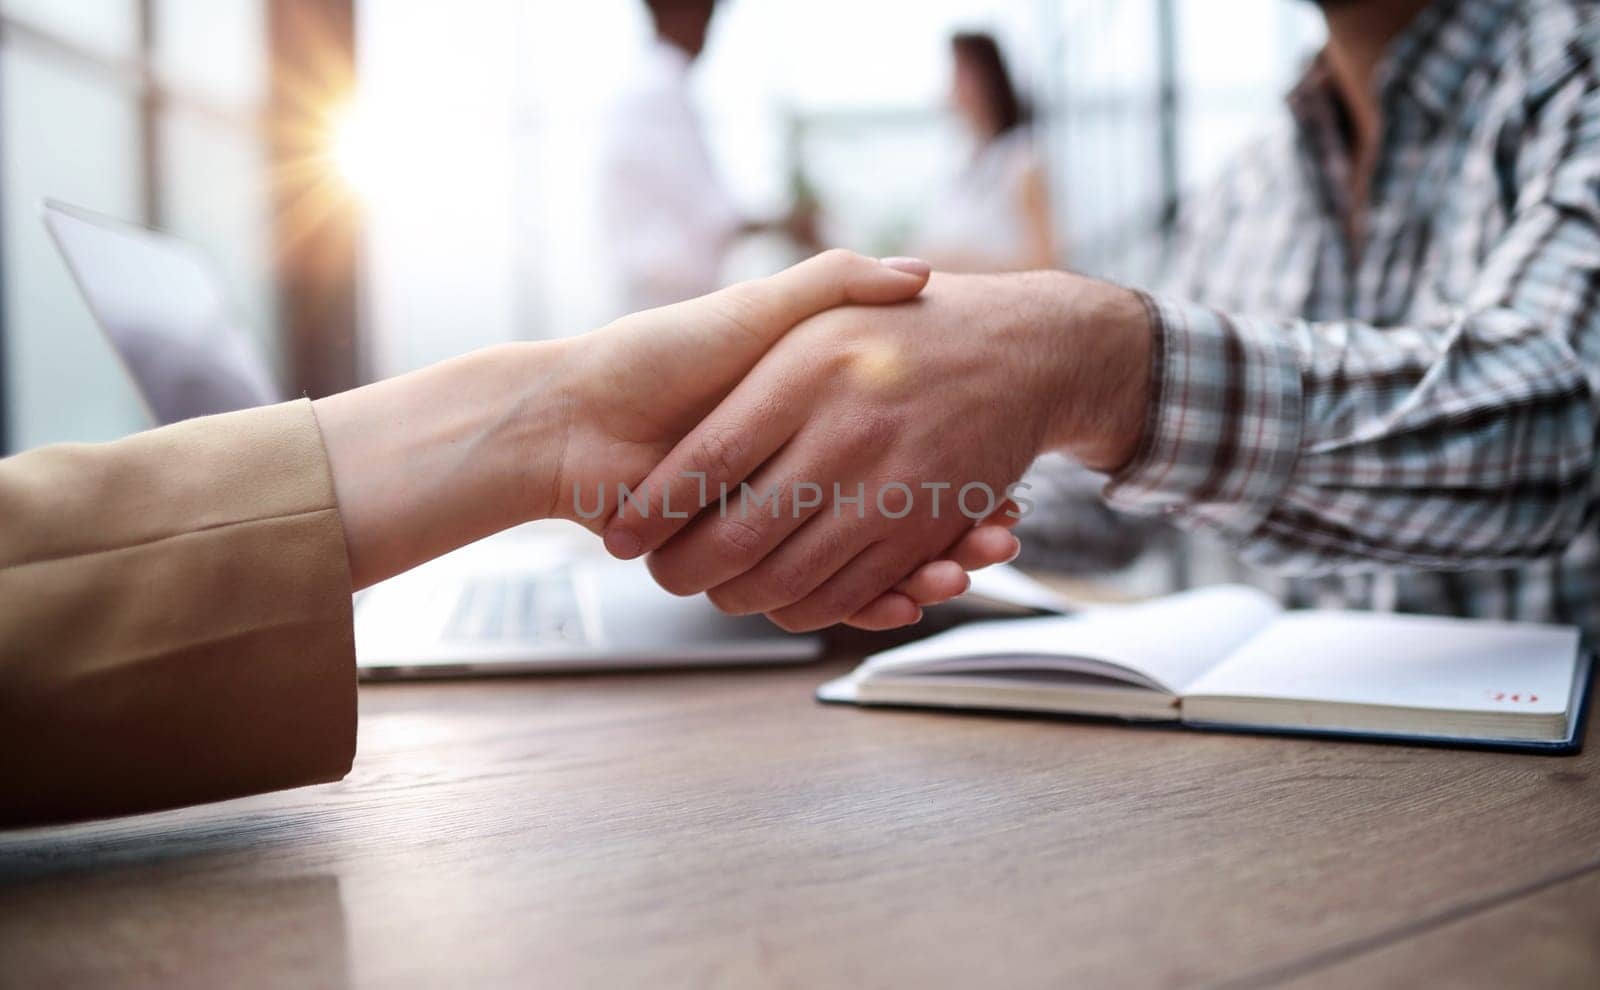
<point x="162" y="306"/>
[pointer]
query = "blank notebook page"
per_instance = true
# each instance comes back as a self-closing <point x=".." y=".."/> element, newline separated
<point x="1402" y="660"/>
<point x="1172" y="640"/>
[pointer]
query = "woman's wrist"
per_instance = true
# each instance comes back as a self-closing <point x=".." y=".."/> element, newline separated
<point x="523" y="415"/>
<point x="432" y="460"/>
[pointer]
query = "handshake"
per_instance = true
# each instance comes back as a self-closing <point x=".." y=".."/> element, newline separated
<point x="841" y="441"/>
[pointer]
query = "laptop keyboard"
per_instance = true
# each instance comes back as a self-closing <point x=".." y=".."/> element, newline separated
<point x="541" y="608"/>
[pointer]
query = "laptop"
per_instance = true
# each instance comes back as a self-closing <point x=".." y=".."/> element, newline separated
<point x="541" y="597"/>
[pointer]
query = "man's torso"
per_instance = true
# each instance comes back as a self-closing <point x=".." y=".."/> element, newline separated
<point x="1271" y="241"/>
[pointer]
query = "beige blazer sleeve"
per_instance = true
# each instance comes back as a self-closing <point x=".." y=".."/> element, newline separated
<point x="175" y="619"/>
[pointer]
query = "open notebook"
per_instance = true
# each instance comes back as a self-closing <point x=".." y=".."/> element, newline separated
<point x="1231" y="658"/>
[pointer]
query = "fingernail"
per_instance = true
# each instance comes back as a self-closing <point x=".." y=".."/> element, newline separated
<point x="622" y="544"/>
<point x="1016" y="550"/>
<point x="911" y="266"/>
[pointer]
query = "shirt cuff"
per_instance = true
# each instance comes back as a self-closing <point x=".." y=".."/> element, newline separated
<point x="1223" y="425"/>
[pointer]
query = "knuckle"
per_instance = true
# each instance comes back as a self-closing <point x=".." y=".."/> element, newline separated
<point x="840" y="258"/>
<point x="786" y="584"/>
<point x="840" y="264"/>
<point x="821" y="559"/>
<point x="764" y="589"/>
<point x="720" y="452"/>
<point x="873" y="430"/>
<point x="736" y="538"/>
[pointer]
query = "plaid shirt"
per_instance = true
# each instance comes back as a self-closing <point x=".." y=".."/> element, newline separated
<point x="1421" y="402"/>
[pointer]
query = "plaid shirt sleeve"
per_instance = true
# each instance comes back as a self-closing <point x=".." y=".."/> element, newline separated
<point x="1322" y="447"/>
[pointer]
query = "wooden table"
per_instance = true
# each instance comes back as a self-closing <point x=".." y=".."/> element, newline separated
<point x="720" y="829"/>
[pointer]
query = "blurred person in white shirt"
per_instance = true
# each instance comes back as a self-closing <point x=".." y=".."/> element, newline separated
<point x="994" y="214"/>
<point x="669" y="221"/>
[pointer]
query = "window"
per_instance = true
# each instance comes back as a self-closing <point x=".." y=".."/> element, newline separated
<point x="150" y="110"/>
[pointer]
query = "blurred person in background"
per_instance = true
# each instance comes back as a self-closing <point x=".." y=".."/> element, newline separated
<point x="994" y="215"/>
<point x="666" y="214"/>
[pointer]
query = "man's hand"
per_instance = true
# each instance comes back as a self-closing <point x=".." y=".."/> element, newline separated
<point x="634" y="389"/>
<point x="909" y="406"/>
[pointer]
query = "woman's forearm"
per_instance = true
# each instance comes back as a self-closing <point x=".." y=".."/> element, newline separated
<point x="440" y="457"/>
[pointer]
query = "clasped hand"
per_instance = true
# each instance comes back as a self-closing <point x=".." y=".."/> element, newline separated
<point x="851" y="468"/>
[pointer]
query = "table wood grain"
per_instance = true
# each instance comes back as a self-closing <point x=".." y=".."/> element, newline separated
<point x="719" y="828"/>
<point x="1546" y="937"/>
